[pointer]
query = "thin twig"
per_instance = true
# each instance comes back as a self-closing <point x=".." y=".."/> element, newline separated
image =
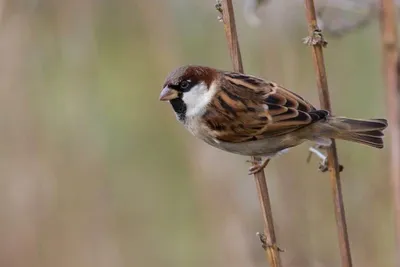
<point x="333" y="164"/>
<point x="271" y="248"/>
<point x="391" y="76"/>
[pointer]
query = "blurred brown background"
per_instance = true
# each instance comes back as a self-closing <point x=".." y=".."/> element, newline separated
<point x="95" y="171"/>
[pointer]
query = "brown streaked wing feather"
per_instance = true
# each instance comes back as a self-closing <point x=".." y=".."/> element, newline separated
<point x="248" y="108"/>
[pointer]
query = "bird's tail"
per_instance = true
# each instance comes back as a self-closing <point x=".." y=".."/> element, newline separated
<point x="367" y="132"/>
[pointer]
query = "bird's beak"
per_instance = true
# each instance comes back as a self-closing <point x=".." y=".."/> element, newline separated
<point x="168" y="94"/>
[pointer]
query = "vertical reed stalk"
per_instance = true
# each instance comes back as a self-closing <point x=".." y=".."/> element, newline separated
<point x="317" y="43"/>
<point x="391" y="75"/>
<point x="272" y="250"/>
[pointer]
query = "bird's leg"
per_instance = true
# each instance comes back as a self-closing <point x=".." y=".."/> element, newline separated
<point x="258" y="165"/>
<point x="323" y="165"/>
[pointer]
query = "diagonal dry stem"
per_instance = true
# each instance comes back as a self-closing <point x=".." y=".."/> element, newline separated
<point x="391" y="75"/>
<point x="271" y="248"/>
<point x="333" y="164"/>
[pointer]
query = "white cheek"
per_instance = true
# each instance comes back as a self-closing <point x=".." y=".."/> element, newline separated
<point x="198" y="98"/>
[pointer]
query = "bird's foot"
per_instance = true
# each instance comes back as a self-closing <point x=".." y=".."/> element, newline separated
<point x="323" y="165"/>
<point x="265" y="244"/>
<point x="258" y="165"/>
<point x="316" y="38"/>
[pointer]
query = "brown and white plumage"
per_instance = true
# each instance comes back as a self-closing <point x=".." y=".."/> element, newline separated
<point x="248" y="108"/>
<point x="250" y="116"/>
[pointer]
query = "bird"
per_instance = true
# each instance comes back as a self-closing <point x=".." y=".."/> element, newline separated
<point x="250" y="116"/>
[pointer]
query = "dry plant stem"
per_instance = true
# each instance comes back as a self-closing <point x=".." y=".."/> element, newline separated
<point x="391" y="75"/>
<point x="272" y="251"/>
<point x="333" y="165"/>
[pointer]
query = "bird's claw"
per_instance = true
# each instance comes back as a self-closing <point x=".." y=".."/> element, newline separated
<point x="255" y="169"/>
<point x="257" y="166"/>
<point x="323" y="165"/>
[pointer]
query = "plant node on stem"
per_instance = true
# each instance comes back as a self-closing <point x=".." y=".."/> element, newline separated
<point x="316" y="38"/>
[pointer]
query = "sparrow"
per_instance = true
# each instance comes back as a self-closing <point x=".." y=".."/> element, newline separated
<point x="250" y="116"/>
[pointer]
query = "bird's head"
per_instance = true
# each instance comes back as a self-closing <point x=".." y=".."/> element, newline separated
<point x="189" y="89"/>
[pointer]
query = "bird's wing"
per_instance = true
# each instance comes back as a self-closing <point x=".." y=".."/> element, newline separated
<point x="248" y="108"/>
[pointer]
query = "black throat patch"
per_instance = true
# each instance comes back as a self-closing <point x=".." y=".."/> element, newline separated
<point x="180" y="108"/>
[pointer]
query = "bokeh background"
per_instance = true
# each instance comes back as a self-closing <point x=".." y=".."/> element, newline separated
<point x="95" y="171"/>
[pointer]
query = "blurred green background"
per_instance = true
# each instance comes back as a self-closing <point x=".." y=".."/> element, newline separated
<point x="95" y="171"/>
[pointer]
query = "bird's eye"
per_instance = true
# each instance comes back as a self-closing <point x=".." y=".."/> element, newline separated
<point x="185" y="84"/>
